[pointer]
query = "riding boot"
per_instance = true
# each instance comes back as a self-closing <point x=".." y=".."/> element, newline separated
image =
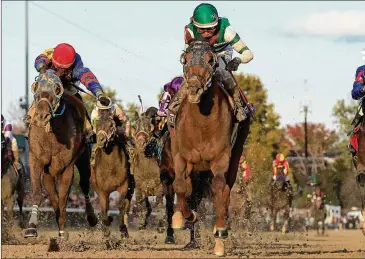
<point x="233" y="90"/>
<point x="88" y="131"/>
<point x="28" y="118"/>
<point x="175" y="105"/>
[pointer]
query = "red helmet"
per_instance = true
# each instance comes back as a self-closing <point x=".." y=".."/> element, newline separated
<point x="63" y="56"/>
<point x="280" y="158"/>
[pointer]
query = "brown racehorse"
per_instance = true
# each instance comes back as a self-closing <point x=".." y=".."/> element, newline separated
<point x="318" y="212"/>
<point x="201" y="140"/>
<point x="56" y="144"/>
<point x="11" y="181"/>
<point x="280" y="198"/>
<point x="110" y="172"/>
<point x="145" y="168"/>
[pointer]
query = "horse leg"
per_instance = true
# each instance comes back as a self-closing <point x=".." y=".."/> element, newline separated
<point x="36" y="169"/>
<point x="64" y="187"/>
<point x="10" y="210"/>
<point x="169" y="196"/>
<point x="222" y="196"/>
<point x="284" y="229"/>
<point x="83" y="166"/>
<point x="182" y="171"/>
<point x="140" y="202"/>
<point x="160" y="216"/>
<point x="104" y="207"/>
<point x="50" y="186"/>
<point x="124" y="207"/>
<point x="20" y="199"/>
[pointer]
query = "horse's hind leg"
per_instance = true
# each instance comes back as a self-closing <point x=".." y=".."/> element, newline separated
<point x="50" y="186"/>
<point x="83" y="166"/>
<point x="182" y="173"/>
<point x="64" y="186"/>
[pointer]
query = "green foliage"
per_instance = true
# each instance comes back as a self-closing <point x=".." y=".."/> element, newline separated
<point x="265" y="136"/>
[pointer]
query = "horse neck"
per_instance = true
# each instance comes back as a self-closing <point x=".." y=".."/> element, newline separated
<point x="111" y="157"/>
<point x="210" y="103"/>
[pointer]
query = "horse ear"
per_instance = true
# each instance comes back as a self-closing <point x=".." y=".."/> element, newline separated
<point x="35" y="87"/>
<point x="152" y="127"/>
<point x="136" y="115"/>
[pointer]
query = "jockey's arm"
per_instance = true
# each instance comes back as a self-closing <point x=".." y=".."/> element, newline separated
<point x="93" y="116"/>
<point x="232" y="37"/>
<point x="44" y="59"/>
<point x="286" y="168"/>
<point x="165" y="100"/>
<point x="122" y="117"/>
<point x="274" y="169"/>
<point x="14" y="145"/>
<point x="86" y="77"/>
<point x="358" y="86"/>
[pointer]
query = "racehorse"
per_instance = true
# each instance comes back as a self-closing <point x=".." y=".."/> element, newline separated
<point x="110" y="172"/>
<point x="280" y="197"/>
<point x="12" y="181"/>
<point x="56" y="144"/>
<point x="202" y="141"/>
<point x="153" y="172"/>
<point x="318" y="212"/>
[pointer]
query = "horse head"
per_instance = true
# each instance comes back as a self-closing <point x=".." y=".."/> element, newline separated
<point x="47" y="92"/>
<point x="142" y="130"/>
<point x="199" y="61"/>
<point x="106" y="129"/>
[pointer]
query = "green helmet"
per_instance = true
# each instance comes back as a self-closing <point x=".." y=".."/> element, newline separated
<point x="205" y="16"/>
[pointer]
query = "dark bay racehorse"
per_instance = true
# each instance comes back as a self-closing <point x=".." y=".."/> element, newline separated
<point x="202" y="140"/>
<point x="110" y="172"/>
<point x="151" y="172"/>
<point x="12" y="181"/>
<point x="56" y="144"/>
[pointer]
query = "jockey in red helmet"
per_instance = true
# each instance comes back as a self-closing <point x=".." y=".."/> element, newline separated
<point x="68" y="65"/>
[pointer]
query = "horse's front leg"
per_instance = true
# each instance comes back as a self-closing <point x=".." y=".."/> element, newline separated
<point x="182" y="171"/>
<point x="222" y="192"/>
<point x="36" y="169"/>
<point x="64" y="186"/>
<point x="83" y="166"/>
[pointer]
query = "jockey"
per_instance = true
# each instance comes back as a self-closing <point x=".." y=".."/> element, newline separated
<point x="207" y="25"/>
<point x="358" y="88"/>
<point x="6" y="129"/>
<point x="170" y="89"/>
<point x="245" y="169"/>
<point x="280" y="163"/>
<point x="70" y="68"/>
<point x="105" y="104"/>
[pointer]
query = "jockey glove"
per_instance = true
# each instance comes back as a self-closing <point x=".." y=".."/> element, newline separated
<point x="233" y="64"/>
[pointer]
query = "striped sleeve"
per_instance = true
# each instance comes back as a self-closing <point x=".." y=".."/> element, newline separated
<point x="232" y="37"/>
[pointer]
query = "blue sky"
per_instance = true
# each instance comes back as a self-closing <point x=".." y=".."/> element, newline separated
<point x="291" y="42"/>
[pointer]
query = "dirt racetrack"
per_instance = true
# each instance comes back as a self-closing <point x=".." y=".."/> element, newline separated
<point x="150" y="244"/>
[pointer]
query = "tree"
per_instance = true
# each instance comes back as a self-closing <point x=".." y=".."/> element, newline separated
<point x="344" y="115"/>
<point x="265" y="138"/>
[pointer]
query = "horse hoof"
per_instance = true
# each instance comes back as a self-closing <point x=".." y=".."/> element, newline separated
<point x="124" y="231"/>
<point x="63" y="235"/>
<point x="142" y="227"/>
<point x="30" y="232"/>
<point x="92" y="220"/>
<point x="219" y="247"/>
<point x="191" y="245"/>
<point x="177" y="220"/>
<point x="106" y="232"/>
<point x="193" y="218"/>
<point x="170" y="240"/>
<point x="160" y="230"/>
<point x="220" y="232"/>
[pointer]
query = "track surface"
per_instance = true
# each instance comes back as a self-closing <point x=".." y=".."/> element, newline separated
<point x="150" y="244"/>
